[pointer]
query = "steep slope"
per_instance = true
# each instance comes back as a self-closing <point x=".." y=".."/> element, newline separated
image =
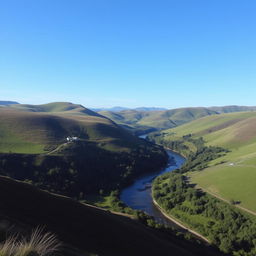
<point x="86" y="228"/>
<point x="231" y="177"/>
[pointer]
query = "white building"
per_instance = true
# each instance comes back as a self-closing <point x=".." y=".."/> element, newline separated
<point x="70" y="139"/>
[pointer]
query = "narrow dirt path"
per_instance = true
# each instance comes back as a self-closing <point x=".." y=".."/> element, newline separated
<point x="56" y="149"/>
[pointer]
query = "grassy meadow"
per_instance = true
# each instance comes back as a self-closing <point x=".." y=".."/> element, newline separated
<point x="231" y="177"/>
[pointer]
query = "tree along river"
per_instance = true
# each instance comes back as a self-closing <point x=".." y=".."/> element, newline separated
<point x="138" y="195"/>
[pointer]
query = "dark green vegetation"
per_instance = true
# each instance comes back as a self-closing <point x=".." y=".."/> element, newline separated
<point x="81" y="169"/>
<point x="88" y="230"/>
<point x="231" y="229"/>
<point x="225" y="226"/>
<point x="197" y="154"/>
<point x="140" y="121"/>
<point x="33" y="147"/>
<point x="231" y="176"/>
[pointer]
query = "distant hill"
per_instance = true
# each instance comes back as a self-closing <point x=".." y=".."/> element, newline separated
<point x="34" y="146"/>
<point x="3" y="102"/>
<point x="113" y="109"/>
<point x="56" y="107"/>
<point x="119" y="109"/>
<point x="234" y="108"/>
<point x="141" y="122"/>
<point x="86" y="230"/>
<point x="149" y="109"/>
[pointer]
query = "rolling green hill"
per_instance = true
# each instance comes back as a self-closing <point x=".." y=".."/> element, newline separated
<point x="230" y="177"/>
<point x="37" y="128"/>
<point x="146" y="121"/>
<point x="55" y="107"/>
<point x="84" y="229"/>
<point x="141" y="122"/>
<point x="234" y="108"/>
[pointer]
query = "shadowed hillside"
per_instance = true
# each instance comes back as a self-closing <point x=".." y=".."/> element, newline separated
<point x="87" y="228"/>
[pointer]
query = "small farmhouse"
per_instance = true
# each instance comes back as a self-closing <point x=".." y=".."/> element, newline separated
<point x="71" y="139"/>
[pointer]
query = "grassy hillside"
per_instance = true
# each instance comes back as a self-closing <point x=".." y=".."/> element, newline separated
<point x="234" y="108"/>
<point x="88" y="229"/>
<point x="55" y="107"/>
<point x="155" y="120"/>
<point x="231" y="177"/>
<point x="33" y="147"/>
<point x="39" y="128"/>
<point x="139" y="121"/>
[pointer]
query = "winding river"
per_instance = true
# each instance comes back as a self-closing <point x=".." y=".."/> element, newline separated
<point x="138" y="195"/>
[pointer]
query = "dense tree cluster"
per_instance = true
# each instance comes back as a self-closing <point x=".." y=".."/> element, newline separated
<point x="224" y="225"/>
<point x="176" y="145"/>
<point x="83" y="168"/>
<point x="198" y="161"/>
<point x="198" y="158"/>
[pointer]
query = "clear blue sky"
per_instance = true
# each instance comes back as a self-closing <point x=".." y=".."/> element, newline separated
<point x="170" y="53"/>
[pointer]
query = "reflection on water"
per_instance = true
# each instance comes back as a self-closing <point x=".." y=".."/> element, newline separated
<point x="138" y="195"/>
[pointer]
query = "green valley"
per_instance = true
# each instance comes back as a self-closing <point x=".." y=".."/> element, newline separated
<point x="35" y="146"/>
<point x="220" y="152"/>
<point x="225" y="177"/>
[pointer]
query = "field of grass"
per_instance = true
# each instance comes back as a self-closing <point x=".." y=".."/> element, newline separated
<point x="109" y="202"/>
<point x="36" y="129"/>
<point x="233" y="176"/>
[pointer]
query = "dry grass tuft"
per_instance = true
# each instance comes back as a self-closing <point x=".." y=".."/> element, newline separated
<point x="38" y="244"/>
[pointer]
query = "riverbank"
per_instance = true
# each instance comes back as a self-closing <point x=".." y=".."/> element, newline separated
<point x="138" y="195"/>
<point x="178" y="223"/>
<point x="175" y="151"/>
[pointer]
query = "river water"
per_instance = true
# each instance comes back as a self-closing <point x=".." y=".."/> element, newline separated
<point x="138" y="195"/>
